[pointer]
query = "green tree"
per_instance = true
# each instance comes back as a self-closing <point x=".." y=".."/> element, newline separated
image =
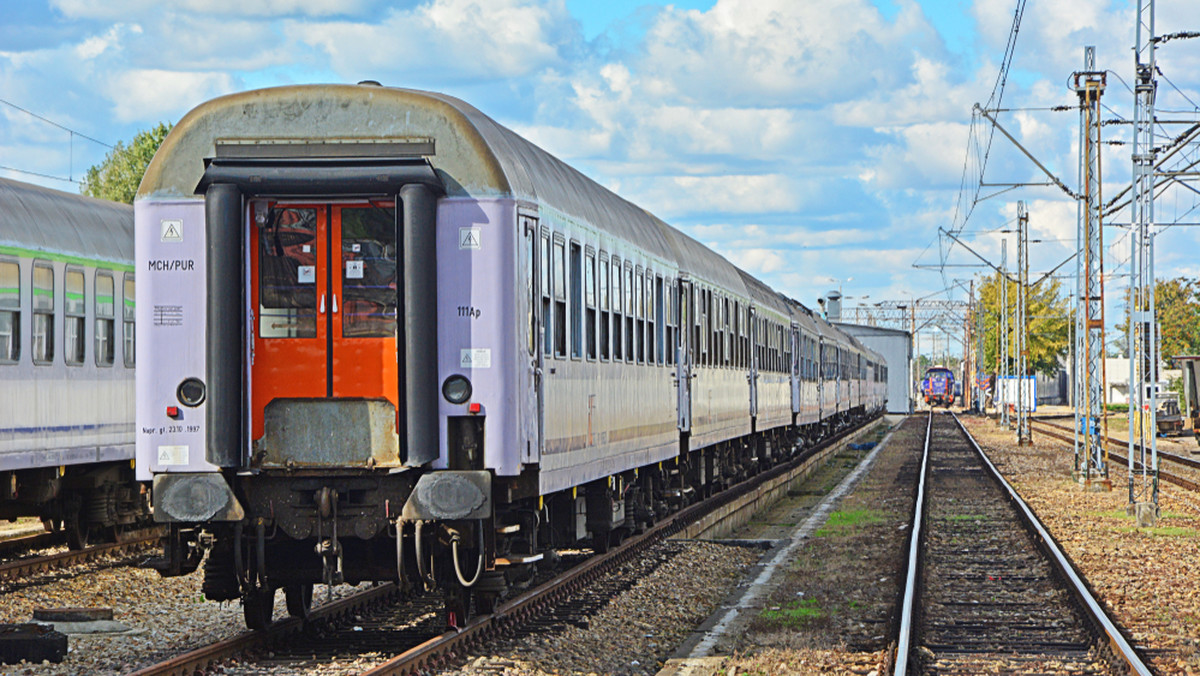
<point x="1049" y="325"/>
<point x="1177" y="309"/>
<point x="118" y="176"/>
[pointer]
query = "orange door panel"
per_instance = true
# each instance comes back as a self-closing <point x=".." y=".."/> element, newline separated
<point x="324" y="297"/>
<point x="364" y="282"/>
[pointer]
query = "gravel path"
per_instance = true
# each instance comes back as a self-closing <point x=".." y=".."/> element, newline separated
<point x="679" y="584"/>
<point x="165" y="616"/>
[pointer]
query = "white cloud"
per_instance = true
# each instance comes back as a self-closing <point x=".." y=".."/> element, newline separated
<point x="148" y="95"/>
<point x="118" y="9"/>
<point x="457" y="39"/>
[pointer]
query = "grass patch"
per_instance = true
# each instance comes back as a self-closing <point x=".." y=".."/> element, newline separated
<point x="848" y="522"/>
<point x="1162" y="531"/>
<point x="794" y="614"/>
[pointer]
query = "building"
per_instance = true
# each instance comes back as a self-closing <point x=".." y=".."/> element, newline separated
<point x="897" y="348"/>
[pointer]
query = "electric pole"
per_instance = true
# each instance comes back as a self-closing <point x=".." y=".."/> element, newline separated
<point x="1091" y="459"/>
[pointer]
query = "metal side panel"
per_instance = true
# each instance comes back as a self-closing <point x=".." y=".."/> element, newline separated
<point x="171" y="306"/>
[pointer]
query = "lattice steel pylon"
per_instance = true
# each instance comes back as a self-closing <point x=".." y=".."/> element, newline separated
<point x="1004" y="333"/>
<point x="1024" y="433"/>
<point x="1142" y="331"/>
<point x="1091" y="421"/>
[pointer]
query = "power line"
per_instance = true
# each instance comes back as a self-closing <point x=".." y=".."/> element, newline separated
<point x="34" y="173"/>
<point x="55" y="124"/>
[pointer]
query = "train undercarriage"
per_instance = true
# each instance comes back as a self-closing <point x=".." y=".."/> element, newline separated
<point x="91" y="503"/>
<point x="300" y="530"/>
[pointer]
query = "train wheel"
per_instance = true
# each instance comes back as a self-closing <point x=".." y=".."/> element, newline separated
<point x="600" y="542"/>
<point x="458" y="607"/>
<point x="79" y="531"/>
<point x="258" y="608"/>
<point x="299" y="599"/>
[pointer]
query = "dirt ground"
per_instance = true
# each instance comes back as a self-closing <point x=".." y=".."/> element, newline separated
<point x="833" y="612"/>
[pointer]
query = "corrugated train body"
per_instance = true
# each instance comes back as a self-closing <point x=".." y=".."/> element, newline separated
<point x="66" y="362"/>
<point x="389" y="339"/>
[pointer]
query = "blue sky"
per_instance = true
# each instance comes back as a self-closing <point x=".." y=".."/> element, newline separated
<point x="816" y="145"/>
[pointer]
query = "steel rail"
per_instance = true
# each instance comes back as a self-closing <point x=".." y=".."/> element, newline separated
<point x="508" y="615"/>
<point x="30" y="542"/>
<point x="1095" y="612"/>
<point x="23" y="567"/>
<point x="1165" y="455"/>
<point x="198" y="661"/>
<point x="1122" y="459"/>
<point x="904" y="643"/>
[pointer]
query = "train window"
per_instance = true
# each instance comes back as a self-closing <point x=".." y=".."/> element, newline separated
<point x="369" y="295"/>
<point x="631" y="346"/>
<point x="287" y="297"/>
<point x="10" y="312"/>
<point x="544" y="277"/>
<point x="617" y="330"/>
<point x="128" y="314"/>
<point x="531" y="293"/>
<point x="560" y="298"/>
<point x="605" y="308"/>
<point x="640" y="326"/>
<point x="43" y="313"/>
<point x="74" y="317"/>
<point x="670" y="320"/>
<point x="725" y="328"/>
<point x="105" y="307"/>
<point x="658" y="321"/>
<point x="589" y="292"/>
<point x="576" y="302"/>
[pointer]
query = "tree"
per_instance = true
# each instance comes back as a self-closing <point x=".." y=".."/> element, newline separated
<point x="1049" y="325"/>
<point x="1177" y="309"/>
<point x="118" y="176"/>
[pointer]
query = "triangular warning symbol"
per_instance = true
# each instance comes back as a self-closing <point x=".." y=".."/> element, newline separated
<point x="171" y="232"/>
<point x="469" y="239"/>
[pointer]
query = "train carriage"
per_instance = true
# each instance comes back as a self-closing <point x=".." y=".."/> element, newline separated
<point x="389" y="339"/>
<point x="67" y="361"/>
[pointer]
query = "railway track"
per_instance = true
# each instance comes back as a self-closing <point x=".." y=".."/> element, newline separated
<point x="18" y="546"/>
<point x="24" y="567"/>
<point x="387" y="620"/>
<point x="1066" y="434"/>
<point x="988" y="590"/>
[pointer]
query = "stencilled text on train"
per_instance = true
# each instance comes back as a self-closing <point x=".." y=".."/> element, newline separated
<point x="469" y="311"/>
<point x="171" y="264"/>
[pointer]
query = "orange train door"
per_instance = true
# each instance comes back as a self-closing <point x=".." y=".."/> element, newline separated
<point x="324" y="294"/>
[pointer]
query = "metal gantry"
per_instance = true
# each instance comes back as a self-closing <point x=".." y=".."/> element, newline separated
<point x="1091" y="421"/>
<point x="1142" y="331"/>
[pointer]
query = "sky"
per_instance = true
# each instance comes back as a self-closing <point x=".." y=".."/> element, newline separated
<point x="818" y="145"/>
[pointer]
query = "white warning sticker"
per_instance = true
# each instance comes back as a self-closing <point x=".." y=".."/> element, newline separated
<point x="172" y="230"/>
<point x="469" y="238"/>
<point x="172" y="455"/>
<point x="477" y="358"/>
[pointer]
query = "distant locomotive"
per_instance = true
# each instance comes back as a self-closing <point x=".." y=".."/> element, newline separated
<point x="390" y="339"/>
<point x="938" y="386"/>
<point x="67" y="362"/>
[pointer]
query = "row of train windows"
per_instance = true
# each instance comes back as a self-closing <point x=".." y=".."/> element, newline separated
<point x="74" y="311"/>
<point x="593" y="306"/>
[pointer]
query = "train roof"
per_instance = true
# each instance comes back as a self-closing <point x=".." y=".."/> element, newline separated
<point x="38" y="219"/>
<point x="472" y="154"/>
